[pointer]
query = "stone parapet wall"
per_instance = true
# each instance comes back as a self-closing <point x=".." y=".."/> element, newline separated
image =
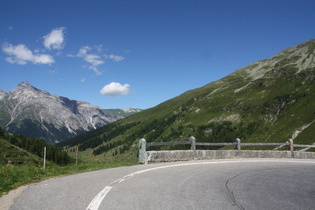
<point x="185" y="155"/>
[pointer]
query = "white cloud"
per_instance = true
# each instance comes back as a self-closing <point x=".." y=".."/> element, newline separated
<point x="99" y="47"/>
<point x="93" y="56"/>
<point x="114" y="57"/>
<point x="55" y="39"/>
<point x="93" y="59"/>
<point x="71" y="56"/>
<point x="20" y="54"/>
<point x="115" y="89"/>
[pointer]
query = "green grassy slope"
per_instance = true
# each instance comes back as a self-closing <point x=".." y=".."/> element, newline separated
<point x="16" y="155"/>
<point x="266" y="101"/>
<point x="26" y="168"/>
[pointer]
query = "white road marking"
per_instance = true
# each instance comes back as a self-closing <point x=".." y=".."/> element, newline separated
<point x="96" y="202"/>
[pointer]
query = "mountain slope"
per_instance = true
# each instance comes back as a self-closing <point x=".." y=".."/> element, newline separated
<point x="33" y="112"/>
<point x="16" y="156"/>
<point x="267" y="101"/>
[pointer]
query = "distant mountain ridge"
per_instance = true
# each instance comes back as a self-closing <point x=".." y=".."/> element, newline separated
<point x="34" y="112"/>
<point x="122" y="112"/>
<point x="270" y="100"/>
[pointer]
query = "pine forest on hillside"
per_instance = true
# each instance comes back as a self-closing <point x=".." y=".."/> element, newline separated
<point x="20" y="150"/>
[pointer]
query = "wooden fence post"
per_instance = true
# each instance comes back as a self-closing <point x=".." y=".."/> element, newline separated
<point x="291" y="148"/>
<point x="76" y="154"/>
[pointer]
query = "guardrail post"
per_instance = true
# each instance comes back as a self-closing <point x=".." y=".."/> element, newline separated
<point x="193" y="143"/>
<point x="44" y="167"/>
<point x="238" y="144"/>
<point x="142" y="151"/>
<point x="291" y="148"/>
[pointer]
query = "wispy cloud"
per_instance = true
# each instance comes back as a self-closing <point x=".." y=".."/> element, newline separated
<point x="20" y="54"/>
<point x="114" y="57"/>
<point x="93" y="59"/>
<point x="115" y="89"/>
<point x="55" y="39"/>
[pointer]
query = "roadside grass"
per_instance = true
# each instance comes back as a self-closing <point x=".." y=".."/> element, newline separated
<point x="19" y="167"/>
<point x="12" y="177"/>
<point x="15" y="176"/>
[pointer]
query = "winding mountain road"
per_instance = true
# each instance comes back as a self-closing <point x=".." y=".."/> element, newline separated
<point x="213" y="184"/>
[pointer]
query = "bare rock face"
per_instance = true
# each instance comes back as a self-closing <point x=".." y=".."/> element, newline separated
<point x="33" y="112"/>
<point x="2" y="94"/>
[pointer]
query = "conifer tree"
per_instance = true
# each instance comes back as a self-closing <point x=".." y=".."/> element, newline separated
<point x="1" y="132"/>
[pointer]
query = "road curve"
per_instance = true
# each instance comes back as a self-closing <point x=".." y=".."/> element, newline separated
<point x="213" y="184"/>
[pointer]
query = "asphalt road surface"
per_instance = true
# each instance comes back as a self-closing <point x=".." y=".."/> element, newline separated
<point x="214" y="184"/>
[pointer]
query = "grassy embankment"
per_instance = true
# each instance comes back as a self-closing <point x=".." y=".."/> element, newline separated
<point x="26" y="168"/>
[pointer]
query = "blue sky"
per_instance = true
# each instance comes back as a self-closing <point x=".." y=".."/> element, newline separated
<point x="140" y="53"/>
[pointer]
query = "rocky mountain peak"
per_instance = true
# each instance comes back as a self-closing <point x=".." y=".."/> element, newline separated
<point x="35" y="112"/>
<point x="2" y="94"/>
<point x="24" y="84"/>
<point x="26" y="91"/>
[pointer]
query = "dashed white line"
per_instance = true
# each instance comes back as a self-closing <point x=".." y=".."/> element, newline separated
<point x="96" y="202"/>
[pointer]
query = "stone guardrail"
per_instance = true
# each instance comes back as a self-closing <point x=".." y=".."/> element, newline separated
<point x="183" y="155"/>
